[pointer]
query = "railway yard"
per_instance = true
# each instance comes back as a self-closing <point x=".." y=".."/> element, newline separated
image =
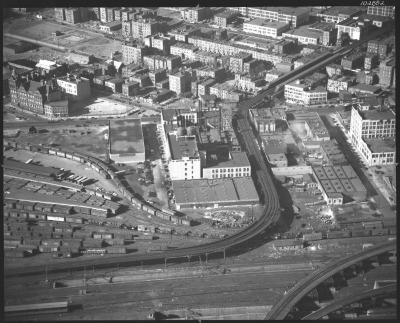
<point x="93" y="229"/>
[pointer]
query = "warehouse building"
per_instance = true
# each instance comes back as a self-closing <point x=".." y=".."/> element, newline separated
<point x="301" y="93"/>
<point x="295" y="16"/>
<point x="126" y="144"/>
<point x="339" y="184"/>
<point x="265" y="28"/>
<point x="202" y="193"/>
<point x="30" y="168"/>
<point x="228" y="164"/>
<point x="373" y="134"/>
<point x="185" y="160"/>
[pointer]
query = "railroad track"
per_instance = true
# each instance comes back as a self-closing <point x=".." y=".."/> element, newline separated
<point x="264" y="178"/>
<point x="303" y="287"/>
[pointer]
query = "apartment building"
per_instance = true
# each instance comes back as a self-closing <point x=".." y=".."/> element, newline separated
<point x="236" y="61"/>
<point x="339" y="83"/>
<point x="263" y="27"/>
<point x="77" y="88"/>
<point x="196" y="14"/>
<point x="144" y="27"/>
<point x="246" y="83"/>
<point x="56" y="109"/>
<point x="169" y="62"/>
<point x="386" y="11"/>
<point x="387" y="72"/>
<point x="180" y="82"/>
<point x="184" y="50"/>
<point x="134" y="53"/>
<point x="224" y="18"/>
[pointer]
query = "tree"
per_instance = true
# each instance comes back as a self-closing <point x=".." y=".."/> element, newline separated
<point x="32" y="130"/>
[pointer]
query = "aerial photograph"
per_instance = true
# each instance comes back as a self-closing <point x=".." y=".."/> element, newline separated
<point x="199" y="163"/>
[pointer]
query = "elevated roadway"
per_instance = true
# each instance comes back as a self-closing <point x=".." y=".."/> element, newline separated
<point x="389" y="290"/>
<point x="305" y="286"/>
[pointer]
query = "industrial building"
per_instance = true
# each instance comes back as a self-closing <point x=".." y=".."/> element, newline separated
<point x="373" y="134"/>
<point x="295" y="16"/>
<point x="229" y="164"/>
<point x="301" y="93"/>
<point x="126" y="144"/>
<point x="339" y="184"/>
<point x="185" y="160"/>
<point x="202" y="193"/>
<point x="265" y="28"/>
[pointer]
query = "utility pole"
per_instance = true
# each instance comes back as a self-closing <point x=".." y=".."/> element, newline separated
<point x="46" y="280"/>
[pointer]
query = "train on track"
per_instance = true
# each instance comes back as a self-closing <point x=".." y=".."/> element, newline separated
<point x="107" y="172"/>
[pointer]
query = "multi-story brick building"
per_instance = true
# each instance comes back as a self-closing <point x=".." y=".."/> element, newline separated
<point x="224" y="18"/>
<point x="370" y="61"/>
<point x="387" y="11"/>
<point x="29" y="95"/>
<point x="381" y="47"/>
<point x="145" y="27"/>
<point x="71" y="15"/>
<point x="130" y="88"/>
<point x="339" y="83"/>
<point x="132" y="52"/>
<point x="155" y="62"/>
<point x="77" y="88"/>
<point x="353" y="61"/>
<point x="180" y="82"/>
<point x="387" y="72"/>
<point x="185" y="51"/>
<point x="196" y="14"/>
<point x="236" y="62"/>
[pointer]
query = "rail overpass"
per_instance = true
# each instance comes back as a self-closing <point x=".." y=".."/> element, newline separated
<point x="305" y="286"/>
<point x="387" y="291"/>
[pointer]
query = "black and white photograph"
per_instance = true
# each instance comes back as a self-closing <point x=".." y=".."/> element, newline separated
<point x="199" y="162"/>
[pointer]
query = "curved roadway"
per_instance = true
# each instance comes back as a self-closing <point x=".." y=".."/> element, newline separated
<point x="303" y="287"/>
<point x="387" y="290"/>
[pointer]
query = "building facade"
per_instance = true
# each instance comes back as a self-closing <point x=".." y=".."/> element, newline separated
<point x="373" y="132"/>
<point x="265" y="28"/>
